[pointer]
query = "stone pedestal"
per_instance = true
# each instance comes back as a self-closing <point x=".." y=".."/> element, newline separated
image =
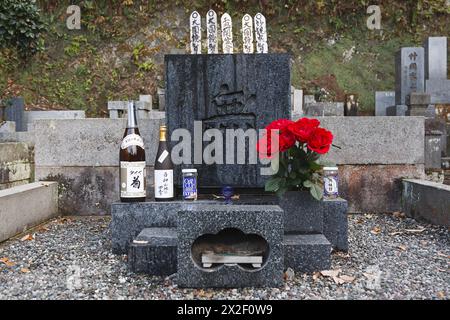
<point x="263" y="221"/>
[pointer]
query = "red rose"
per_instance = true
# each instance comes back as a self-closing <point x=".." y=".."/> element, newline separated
<point x="320" y="140"/>
<point x="303" y="128"/>
<point x="285" y="138"/>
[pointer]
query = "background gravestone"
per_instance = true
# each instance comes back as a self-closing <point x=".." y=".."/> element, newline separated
<point x="436" y="58"/>
<point x="14" y="111"/>
<point x="409" y="73"/>
<point x="383" y="100"/>
<point x="226" y="91"/>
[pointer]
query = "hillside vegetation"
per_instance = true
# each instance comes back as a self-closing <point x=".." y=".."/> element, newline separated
<point x="118" y="53"/>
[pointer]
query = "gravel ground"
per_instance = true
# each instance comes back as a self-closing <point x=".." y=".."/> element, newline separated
<point x="390" y="257"/>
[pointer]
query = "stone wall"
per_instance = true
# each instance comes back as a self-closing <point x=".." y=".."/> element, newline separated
<point x="16" y="164"/>
<point x="375" y="154"/>
<point x="83" y="156"/>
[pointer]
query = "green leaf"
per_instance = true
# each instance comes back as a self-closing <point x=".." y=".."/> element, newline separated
<point x="314" y="166"/>
<point x="316" y="191"/>
<point x="273" y="184"/>
<point x="281" y="191"/>
<point x="307" y="184"/>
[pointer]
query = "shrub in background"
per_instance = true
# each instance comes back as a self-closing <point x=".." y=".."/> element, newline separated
<point x="21" y="26"/>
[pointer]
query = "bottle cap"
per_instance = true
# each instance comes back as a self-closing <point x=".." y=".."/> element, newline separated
<point x="330" y="168"/>
<point x="189" y="170"/>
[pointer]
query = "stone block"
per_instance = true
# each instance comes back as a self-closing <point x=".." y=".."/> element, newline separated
<point x="129" y="219"/>
<point x="433" y="149"/>
<point x="427" y="201"/>
<point x="87" y="190"/>
<point x="439" y="89"/>
<point x="264" y="222"/>
<point x="398" y="110"/>
<point x="304" y="214"/>
<point x="25" y="206"/>
<point x="297" y="101"/>
<point x="322" y="109"/>
<point x="227" y="91"/>
<point x="7" y="127"/>
<point x="14" y="151"/>
<point x="161" y="99"/>
<point x="383" y="100"/>
<point x="88" y="142"/>
<point x="335" y="223"/>
<point x="154" y="252"/>
<point x="308" y="99"/>
<point x="306" y="252"/>
<point x="375" y="188"/>
<point x="409" y="73"/>
<point x="376" y="140"/>
<point x="301" y="212"/>
<point x="438" y="124"/>
<point x="418" y="98"/>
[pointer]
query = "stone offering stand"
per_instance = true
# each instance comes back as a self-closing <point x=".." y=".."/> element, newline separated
<point x="160" y="237"/>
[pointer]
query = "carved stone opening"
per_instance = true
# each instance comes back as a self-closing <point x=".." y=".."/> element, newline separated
<point x="230" y="246"/>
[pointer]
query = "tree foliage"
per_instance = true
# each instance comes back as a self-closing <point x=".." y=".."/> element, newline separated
<point x="21" y="26"/>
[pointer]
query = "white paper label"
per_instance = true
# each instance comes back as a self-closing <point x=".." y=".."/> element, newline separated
<point x="163" y="156"/>
<point x="132" y="140"/>
<point x="132" y="179"/>
<point x="331" y="186"/>
<point x="163" y="183"/>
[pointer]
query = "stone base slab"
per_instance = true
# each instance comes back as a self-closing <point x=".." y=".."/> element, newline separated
<point x="154" y="252"/>
<point x="306" y="252"/>
<point x="427" y="201"/>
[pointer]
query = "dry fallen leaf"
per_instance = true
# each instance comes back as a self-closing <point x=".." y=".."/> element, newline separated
<point x="27" y="237"/>
<point x="375" y="230"/>
<point x="348" y="279"/>
<point x="25" y="270"/>
<point x="416" y="230"/>
<point x="338" y="280"/>
<point x="316" y="275"/>
<point x="7" y="262"/>
<point x="441" y="295"/>
<point x="330" y="273"/>
<point x="402" y="247"/>
<point x="360" y="220"/>
<point x="399" y="214"/>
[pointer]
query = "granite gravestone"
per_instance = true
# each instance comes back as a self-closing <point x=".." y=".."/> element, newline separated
<point x="436" y="58"/>
<point x="409" y="73"/>
<point x="13" y="110"/>
<point x="383" y="100"/>
<point x="226" y="91"/>
<point x="437" y="84"/>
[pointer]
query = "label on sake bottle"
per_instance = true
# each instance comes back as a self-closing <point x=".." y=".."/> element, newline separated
<point x="132" y="177"/>
<point x="163" y="184"/>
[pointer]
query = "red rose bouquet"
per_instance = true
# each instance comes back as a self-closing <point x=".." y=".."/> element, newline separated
<point x="299" y="146"/>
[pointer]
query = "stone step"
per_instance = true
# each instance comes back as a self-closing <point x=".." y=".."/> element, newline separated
<point x="307" y="252"/>
<point x="26" y="206"/>
<point x="154" y="252"/>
